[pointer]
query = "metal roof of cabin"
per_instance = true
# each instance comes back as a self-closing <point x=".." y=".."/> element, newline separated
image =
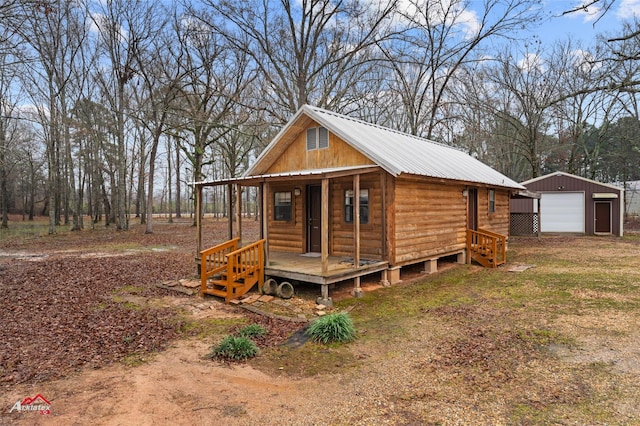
<point x="396" y="152"/>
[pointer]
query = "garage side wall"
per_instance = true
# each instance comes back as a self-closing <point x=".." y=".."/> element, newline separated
<point x="563" y="183"/>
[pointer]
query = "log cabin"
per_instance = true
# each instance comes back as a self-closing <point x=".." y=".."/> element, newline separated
<point x="341" y="198"/>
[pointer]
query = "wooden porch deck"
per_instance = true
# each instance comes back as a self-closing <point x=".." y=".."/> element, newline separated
<point x="308" y="267"/>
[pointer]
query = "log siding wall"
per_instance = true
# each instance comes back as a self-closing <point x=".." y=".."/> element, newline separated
<point x="370" y="233"/>
<point x="430" y="220"/>
<point x="287" y="236"/>
<point x="499" y="220"/>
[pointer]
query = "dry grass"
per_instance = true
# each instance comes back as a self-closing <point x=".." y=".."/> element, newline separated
<point x="555" y="344"/>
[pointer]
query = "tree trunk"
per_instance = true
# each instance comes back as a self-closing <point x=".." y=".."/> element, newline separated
<point x="169" y="206"/>
<point x="4" y="195"/>
<point x="152" y="169"/>
<point x="122" y="222"/>
<point x="178" y="186"/>
<point x="140" y="197"/>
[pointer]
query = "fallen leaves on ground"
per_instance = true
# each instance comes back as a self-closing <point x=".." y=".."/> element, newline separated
<point x="64" y="304"/>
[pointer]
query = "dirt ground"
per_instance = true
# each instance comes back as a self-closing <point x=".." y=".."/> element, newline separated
<point x="450" y="365"/>
<point x="176" y="384"/>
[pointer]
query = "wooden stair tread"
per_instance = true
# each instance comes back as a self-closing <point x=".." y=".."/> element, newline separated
<point x="216" y="292"/>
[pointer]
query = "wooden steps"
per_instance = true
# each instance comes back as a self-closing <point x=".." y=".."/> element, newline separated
<point x="486" y="247"/>
<point x="231" y="272"/>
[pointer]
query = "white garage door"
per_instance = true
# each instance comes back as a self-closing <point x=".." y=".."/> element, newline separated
<point x="562" y="212"/>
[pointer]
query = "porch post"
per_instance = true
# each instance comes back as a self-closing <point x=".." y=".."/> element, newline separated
<point x="324" y="299"/>
<point x="198" y="224"/>
<point x="239" y="212"/>
<point x="357" y="291"/>
<point x="230" y="210"/>
<point x="264" y="219"/>
<point x="539" y="218"/>
<point x="324" y="250"/>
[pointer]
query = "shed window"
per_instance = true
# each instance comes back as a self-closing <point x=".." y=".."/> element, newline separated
<point x="364" y="206"/>
<point x="317" y="138"/>
<point x="282" y="206"/>
<point x="492" y="201"/>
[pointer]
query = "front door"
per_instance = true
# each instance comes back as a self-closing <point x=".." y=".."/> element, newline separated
<point x="314" y="218"/>
<point x="603" y="217"/>
<point x="472" y="209"/>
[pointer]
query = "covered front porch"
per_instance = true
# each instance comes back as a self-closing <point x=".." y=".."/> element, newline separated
<point x="301" y="249"/>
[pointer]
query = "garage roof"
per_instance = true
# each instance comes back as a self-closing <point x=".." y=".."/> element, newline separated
<point x="608" y="185"/>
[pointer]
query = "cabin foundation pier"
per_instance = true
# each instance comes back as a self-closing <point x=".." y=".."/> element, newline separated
<point x="384" y="280"/>
<point x="430" y="266"/>
<point x="393" y="275"/>
<point x="357" y="290"/>
<point x="324" y="299"/>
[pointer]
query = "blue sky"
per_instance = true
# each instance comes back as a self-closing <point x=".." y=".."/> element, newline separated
<point x="586" y="25"/>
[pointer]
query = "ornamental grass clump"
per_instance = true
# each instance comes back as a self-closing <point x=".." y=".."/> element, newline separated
<point x="235" y="348"/>
<point x="252" y="330"/>
<point x="336" y="327"/>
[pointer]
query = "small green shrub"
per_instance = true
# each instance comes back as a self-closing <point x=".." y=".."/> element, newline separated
<point x="235" y="348"/>
<point x="252" y="330"/>
<point x="336" y="327"/>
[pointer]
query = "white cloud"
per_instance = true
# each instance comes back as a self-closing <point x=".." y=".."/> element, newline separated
<point x="101" y="25"/>
<point x="531" y="62"/>
<point x="628" y="9"/>
<point x="588" y="14"/>
<point x="469" y="20"/>
<point x="591" y="14"/>
<point x="584" y="60"/>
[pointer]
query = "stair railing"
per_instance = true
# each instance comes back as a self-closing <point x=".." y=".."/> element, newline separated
<point x="486" y="247"/>
<point x="214" y="260"/>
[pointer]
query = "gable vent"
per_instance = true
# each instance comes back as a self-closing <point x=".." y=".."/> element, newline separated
<point x="323" y="138"/>
<point x="311" y="139"/>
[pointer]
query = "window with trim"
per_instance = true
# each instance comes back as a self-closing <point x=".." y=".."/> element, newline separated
<point x="282" y="206"/>
<point x="317" y="138"/>
<point x="349" y="203"/>
<point x="492" y="201"/>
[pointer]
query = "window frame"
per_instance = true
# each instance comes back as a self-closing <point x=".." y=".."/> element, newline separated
<point x="348" y="203"/>
<point x="492" y="201"/>
<point x="282" y="212"/>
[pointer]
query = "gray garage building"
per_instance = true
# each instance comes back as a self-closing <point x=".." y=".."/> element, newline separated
<point x="573" y="204"/>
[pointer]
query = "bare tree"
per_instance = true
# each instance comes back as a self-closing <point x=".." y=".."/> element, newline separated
<point x="578" y="120"/>
<point x="305" y="51"/>
<point x="54" y="32"/>
<point x="9" y="94"/>
<point x="439" y="38"/>
<point x="533" y="85"/>
<point x="160" y="76"/>
<point x="126" y="27"/>
<point x="215" y="79"/>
